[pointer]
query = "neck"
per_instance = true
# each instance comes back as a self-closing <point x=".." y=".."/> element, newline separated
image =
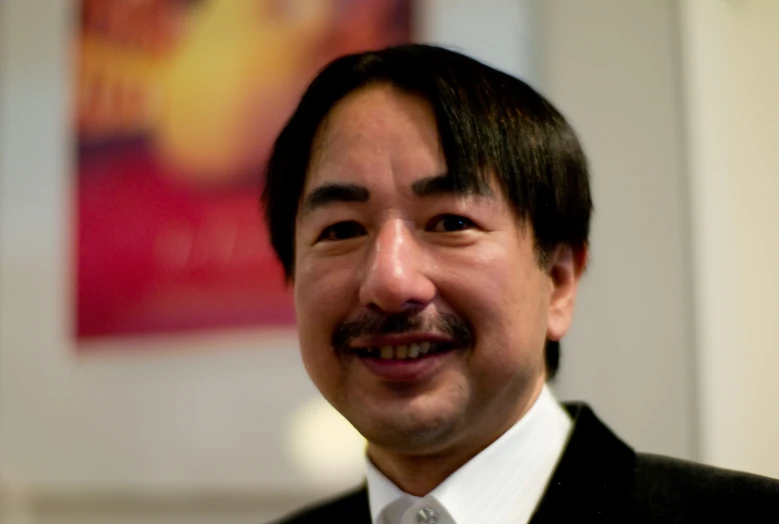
<point x="417" y="474"/>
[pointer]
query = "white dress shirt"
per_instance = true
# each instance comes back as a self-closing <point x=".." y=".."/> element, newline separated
<point x="502" y="484"/>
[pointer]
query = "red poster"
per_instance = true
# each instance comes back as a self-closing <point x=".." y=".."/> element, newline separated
<point x="177" y="104"/>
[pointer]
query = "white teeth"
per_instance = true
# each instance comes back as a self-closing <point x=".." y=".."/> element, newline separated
<point x="401" y="352"/>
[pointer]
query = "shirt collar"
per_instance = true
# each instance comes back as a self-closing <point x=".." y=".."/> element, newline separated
<point x="507" y="478"/>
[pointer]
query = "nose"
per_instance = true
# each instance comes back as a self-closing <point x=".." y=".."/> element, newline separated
<point x="394" y="279"/>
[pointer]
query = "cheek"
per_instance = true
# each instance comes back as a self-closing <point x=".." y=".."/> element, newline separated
<point x="315" y="327"/>
<point x="487" y="280"/>
<point x="321" y="295"/>
<point x="502" y="293"/>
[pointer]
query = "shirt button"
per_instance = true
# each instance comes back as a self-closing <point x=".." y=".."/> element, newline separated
<point x="427" y="516"/>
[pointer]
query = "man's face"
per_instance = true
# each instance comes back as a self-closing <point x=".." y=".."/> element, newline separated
<point x="422" y="311"/>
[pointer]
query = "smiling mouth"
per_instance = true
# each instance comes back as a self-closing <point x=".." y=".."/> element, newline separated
<point x="411" y="351"/>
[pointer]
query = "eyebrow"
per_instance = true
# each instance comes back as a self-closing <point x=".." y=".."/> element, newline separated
<point x="331" y="193"/>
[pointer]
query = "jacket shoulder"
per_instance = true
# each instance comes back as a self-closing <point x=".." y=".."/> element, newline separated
<point x="349" y="508"/>
<point x="672" y="490"/>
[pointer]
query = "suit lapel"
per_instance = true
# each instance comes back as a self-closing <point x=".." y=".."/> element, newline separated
<point x="593" y="477"/>
<point x="353" y="509"/>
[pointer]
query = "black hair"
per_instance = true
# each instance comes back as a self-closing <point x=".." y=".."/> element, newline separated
<point x="489" y="123"/>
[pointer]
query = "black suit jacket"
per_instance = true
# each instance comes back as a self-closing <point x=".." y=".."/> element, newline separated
<point x="601" y="479"/>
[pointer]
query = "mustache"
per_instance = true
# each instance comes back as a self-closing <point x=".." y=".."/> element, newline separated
<point x="370" y="325"/>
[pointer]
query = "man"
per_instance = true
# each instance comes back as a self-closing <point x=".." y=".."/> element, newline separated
<point x="432" y="215"/>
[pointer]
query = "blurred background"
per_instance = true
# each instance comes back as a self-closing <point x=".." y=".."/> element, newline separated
<point x="148" y="361"/>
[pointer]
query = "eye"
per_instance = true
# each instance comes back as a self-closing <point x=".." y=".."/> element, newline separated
<point x="450" y="223"/>
<point x="341" y="231"/>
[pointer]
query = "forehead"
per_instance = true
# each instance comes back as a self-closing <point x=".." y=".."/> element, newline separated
<point x="378" y="129"/>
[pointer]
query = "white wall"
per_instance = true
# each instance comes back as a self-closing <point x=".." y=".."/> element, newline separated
<point x="501" y="33"/>
<point x="732" y="109"/>
<point x="612" y="66"/>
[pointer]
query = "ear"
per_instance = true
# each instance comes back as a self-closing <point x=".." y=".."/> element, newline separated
<point x="565" y="268"/>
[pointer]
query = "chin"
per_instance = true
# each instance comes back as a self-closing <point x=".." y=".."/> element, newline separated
<point x="407" y="431"/>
